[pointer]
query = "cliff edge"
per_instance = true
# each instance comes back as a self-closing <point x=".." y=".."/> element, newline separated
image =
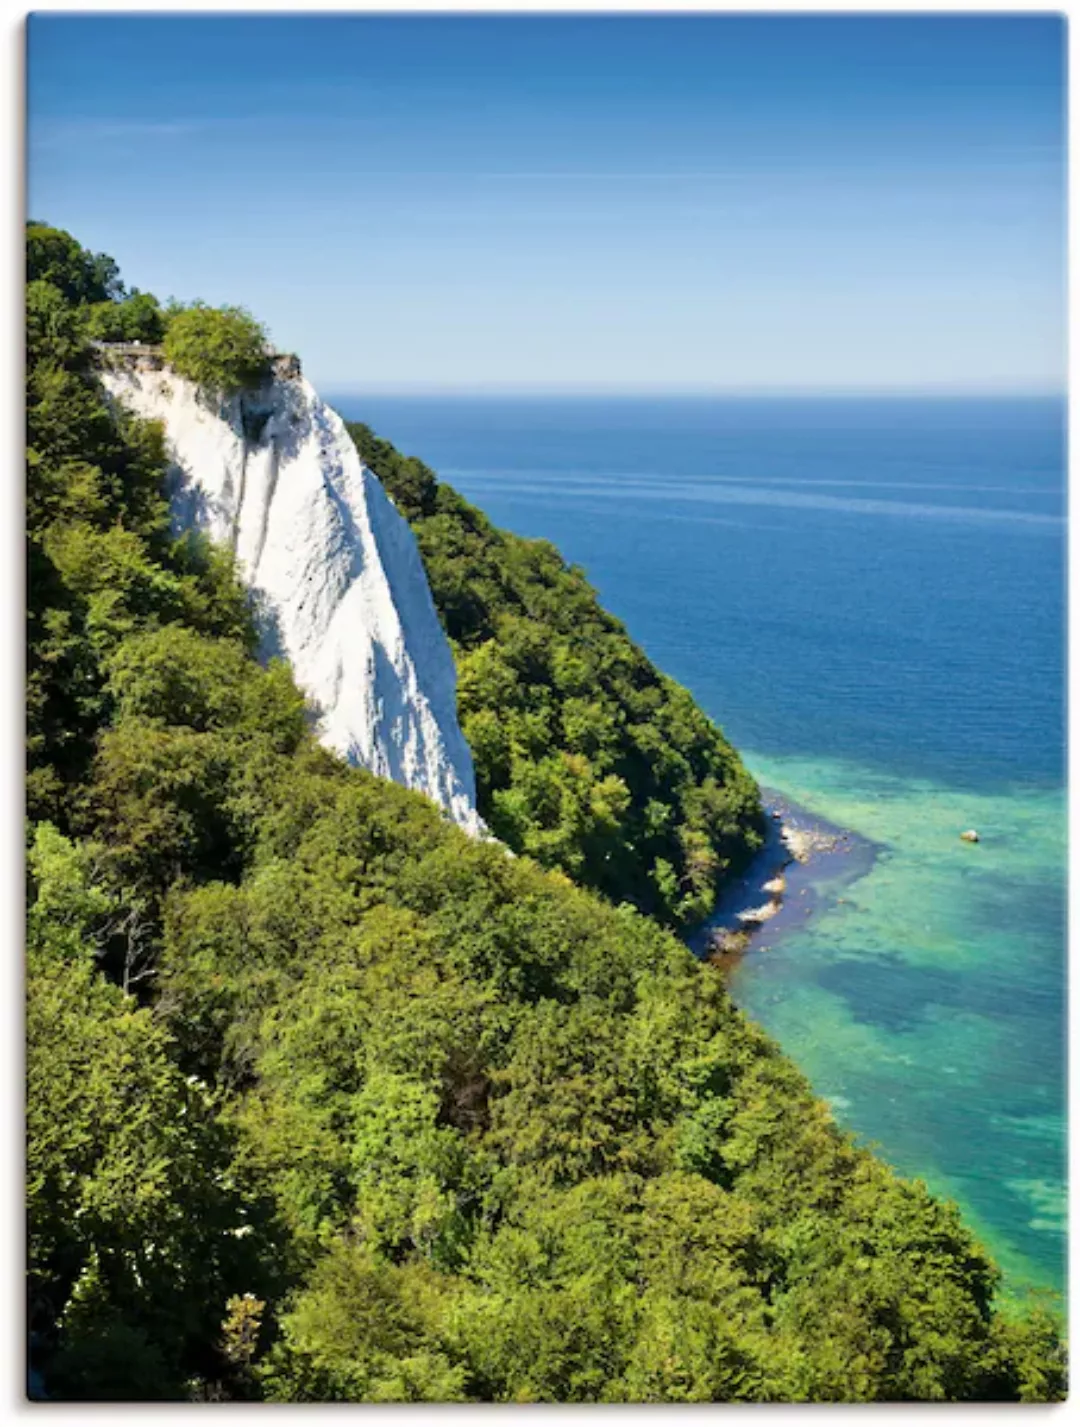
<point x="339" y="587"/>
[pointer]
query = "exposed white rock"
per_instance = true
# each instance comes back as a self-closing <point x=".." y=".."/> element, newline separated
<point x="338" y="581"/>
<point x="755" y="916"/>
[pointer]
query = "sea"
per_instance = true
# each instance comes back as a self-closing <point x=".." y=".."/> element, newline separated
<point x="868" y="596"/>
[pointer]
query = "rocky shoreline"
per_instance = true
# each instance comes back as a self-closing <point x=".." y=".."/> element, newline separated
<point x="804" y="857"/>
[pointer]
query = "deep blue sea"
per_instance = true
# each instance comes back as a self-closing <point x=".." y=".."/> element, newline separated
<point x="868" y="596"/>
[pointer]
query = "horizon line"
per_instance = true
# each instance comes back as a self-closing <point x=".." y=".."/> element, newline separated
<point x="765" y="393"/>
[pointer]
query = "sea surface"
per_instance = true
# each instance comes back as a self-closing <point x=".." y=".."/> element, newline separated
<point x="868" y="596"/>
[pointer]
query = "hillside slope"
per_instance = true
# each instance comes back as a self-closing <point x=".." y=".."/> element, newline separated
<point x="587" y="757"/>
<point x="328" y="1101"/>
<point x="338" y="584"/>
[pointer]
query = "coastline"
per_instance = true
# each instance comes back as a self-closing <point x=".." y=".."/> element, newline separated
<point x="805" y="861"/>
<point x="905" y="1003"/>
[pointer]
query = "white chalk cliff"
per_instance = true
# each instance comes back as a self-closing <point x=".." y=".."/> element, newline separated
<point x="339" y="586"/>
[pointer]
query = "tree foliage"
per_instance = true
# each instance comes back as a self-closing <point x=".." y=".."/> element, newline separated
<point x="385" y="1114"/>
<point x="587" y="758"/>
<point x="222" y="350"/>
<point x="132" y="1224"/>
<point x="137" y="318"/>
<point x="80" y="276"/>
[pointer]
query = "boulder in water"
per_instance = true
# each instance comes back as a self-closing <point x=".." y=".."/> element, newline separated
<point x="754" y="916"/>
<point x="725" y="942"/>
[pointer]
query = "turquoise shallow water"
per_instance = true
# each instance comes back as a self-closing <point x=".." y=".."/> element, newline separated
<point x="925" y="999"/>
<point x="869" y="597"/>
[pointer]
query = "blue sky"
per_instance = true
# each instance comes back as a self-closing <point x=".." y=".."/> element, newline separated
<point x="812" y="203"/>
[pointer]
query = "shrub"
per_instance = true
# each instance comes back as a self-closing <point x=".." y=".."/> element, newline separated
<point x="221" y="349"/>
<point x="138" y="318"/>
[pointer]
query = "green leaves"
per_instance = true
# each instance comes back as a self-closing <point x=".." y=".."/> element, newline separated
<point x="587" y="759"/>
<point x="399" y="1116"/>
<point x="55" y="257"/>
<point x="68" y="906"/>
<point x="138" y="318"/>
<point x="367" y="1331"/>
<point x="223" y="350"/>
<point x="130" y="1227"/>
<point x="174" y="676"/>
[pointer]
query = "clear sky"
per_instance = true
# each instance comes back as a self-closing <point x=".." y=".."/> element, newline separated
<point x="587" y="202"/>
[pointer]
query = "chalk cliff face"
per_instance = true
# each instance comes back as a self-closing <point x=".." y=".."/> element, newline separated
<point x="338" y="582"/>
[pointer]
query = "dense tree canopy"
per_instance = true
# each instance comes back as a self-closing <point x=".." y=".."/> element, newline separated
<point x="80" y="276"/>
<point x="328" y="1102"/>
<point x="137" y="318"/>
<point x="587" y="758"/>
<point x="221" y="349"/>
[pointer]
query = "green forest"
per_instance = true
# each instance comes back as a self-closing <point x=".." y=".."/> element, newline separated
<point x="587" y="758"/>
<point x="327" y="1101"/>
